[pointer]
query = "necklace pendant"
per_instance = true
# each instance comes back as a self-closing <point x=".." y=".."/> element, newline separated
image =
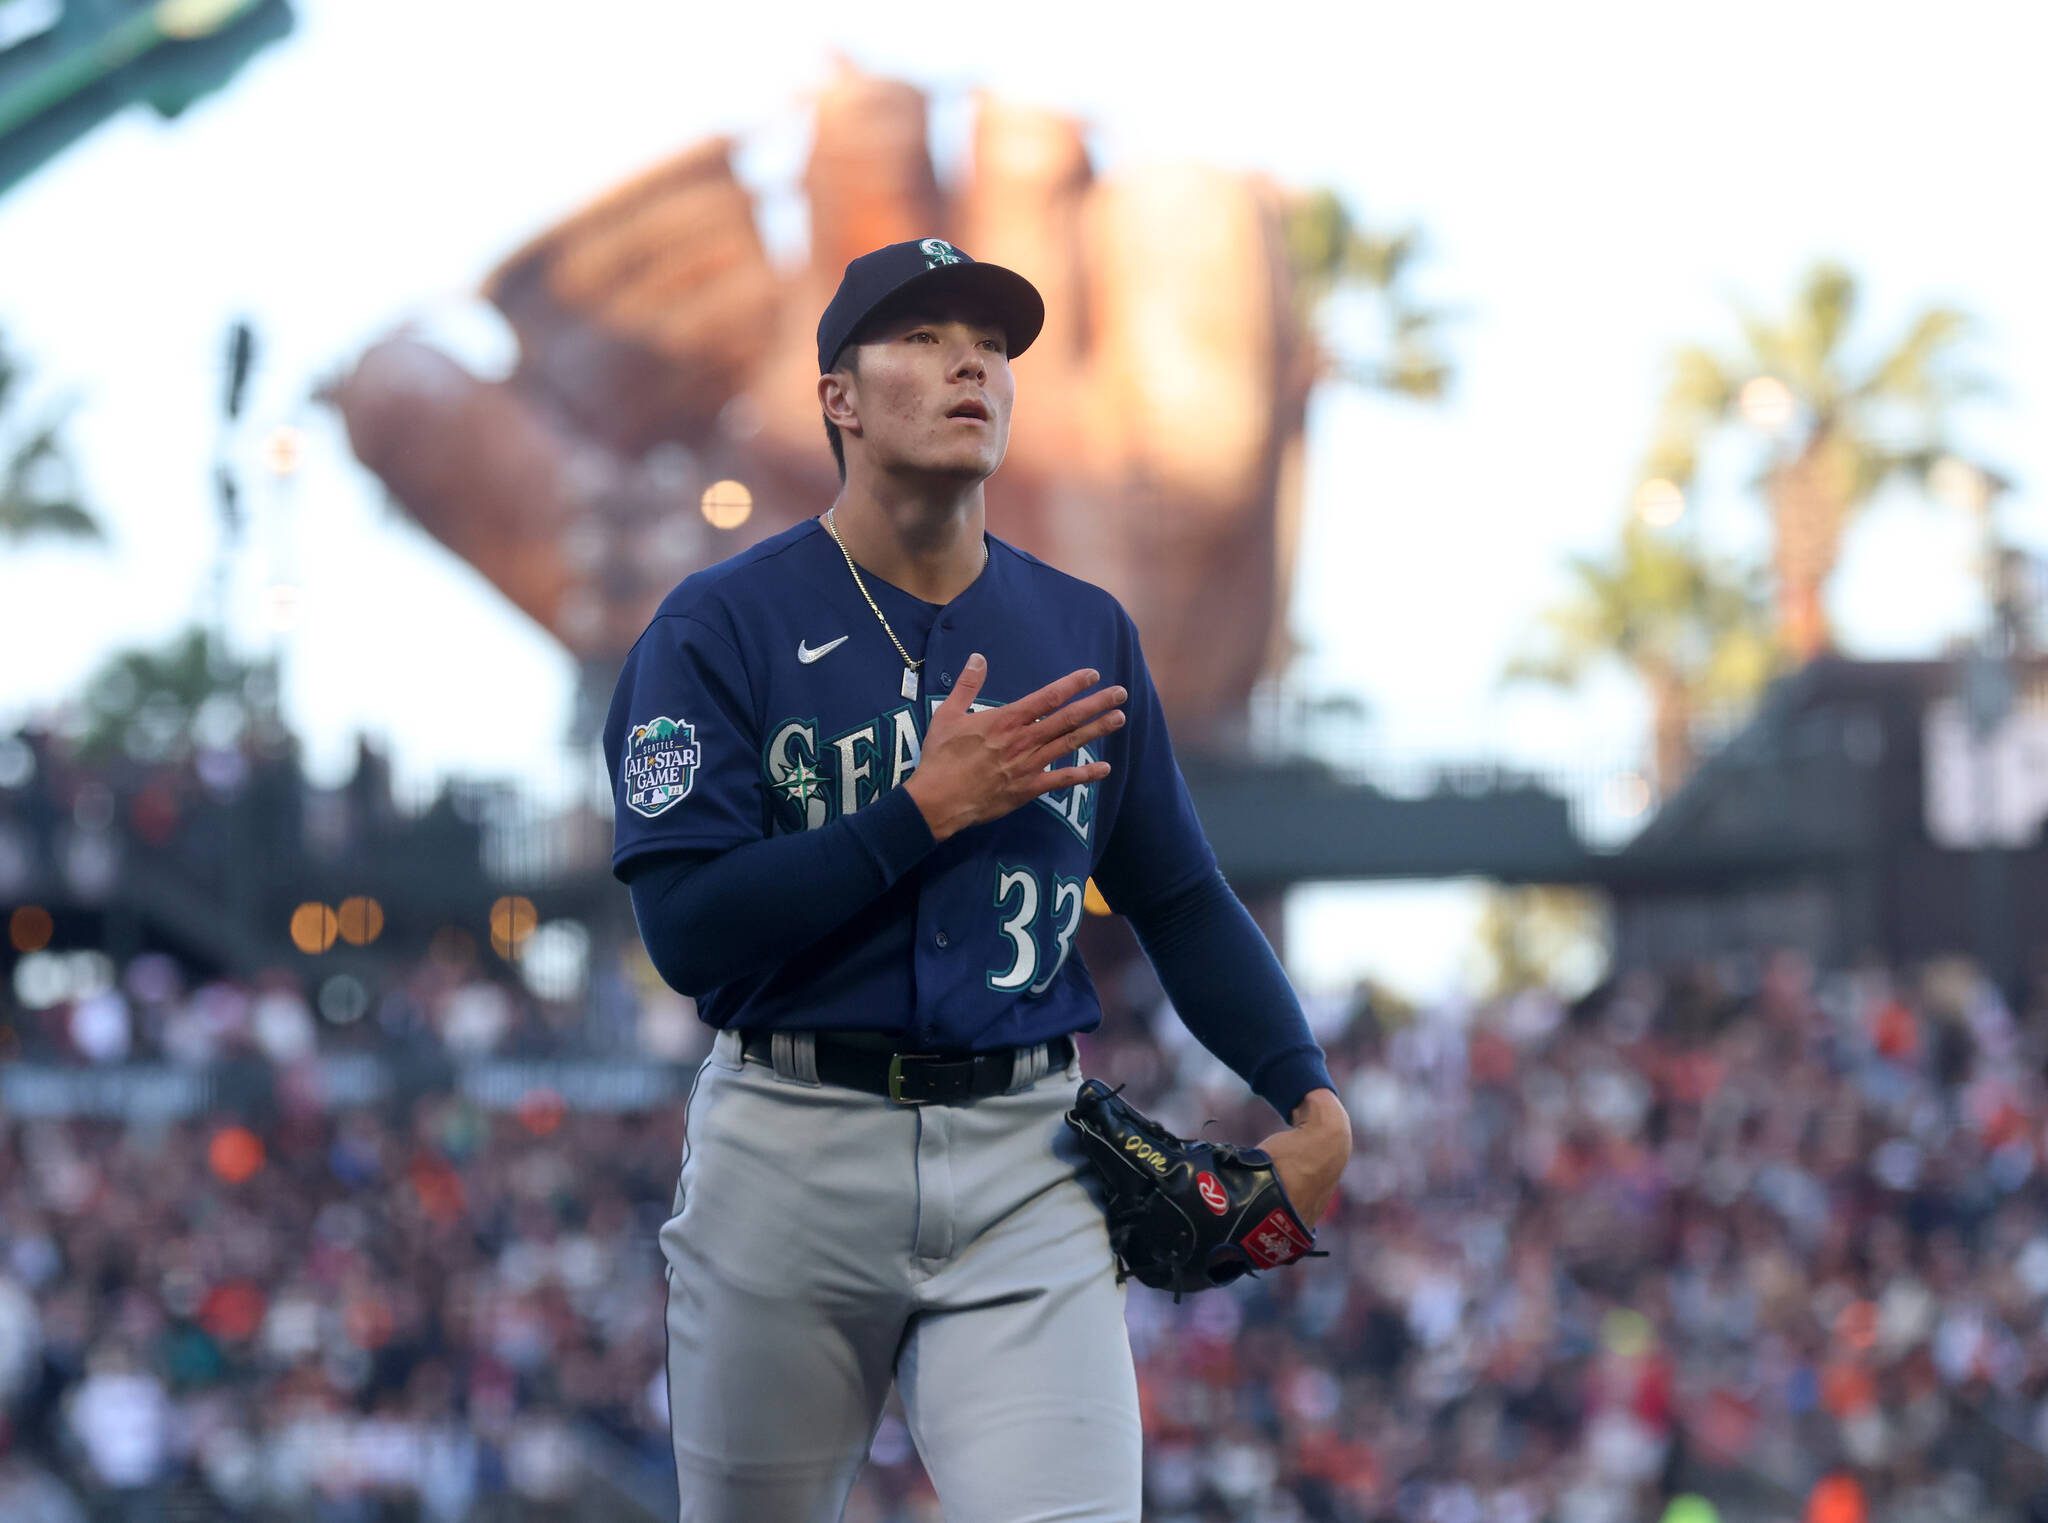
<point x="909" y="683"/>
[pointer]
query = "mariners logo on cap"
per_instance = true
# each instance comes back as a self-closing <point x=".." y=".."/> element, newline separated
<point x="661" y="762"/>
<point x="937" y="252"/>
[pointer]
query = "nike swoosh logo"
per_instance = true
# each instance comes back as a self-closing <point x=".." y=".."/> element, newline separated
<point x="806" y="655"/>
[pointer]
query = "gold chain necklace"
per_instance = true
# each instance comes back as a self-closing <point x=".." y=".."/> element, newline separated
<point x="910" y="667"/>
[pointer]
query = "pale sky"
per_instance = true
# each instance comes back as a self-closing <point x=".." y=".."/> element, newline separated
<point x="1595" y="182"/>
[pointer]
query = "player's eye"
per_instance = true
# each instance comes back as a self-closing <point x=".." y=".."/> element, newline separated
<point x="922" y="333"/>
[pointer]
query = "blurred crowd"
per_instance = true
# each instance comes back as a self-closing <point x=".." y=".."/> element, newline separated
<point x="455" y="1003"/>
<point x="1737" y="1230"/>
<point x="434" y="1314"/>
<point x="1734" y="1241"/>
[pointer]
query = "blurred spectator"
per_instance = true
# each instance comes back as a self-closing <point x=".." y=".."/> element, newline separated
<point x="21" y="1341"/>
<point x="1726" y="1244"/>
<point x="120" y="1420"/>
<point x="1837" y="1498"/>
<point x="31" y="1494"/>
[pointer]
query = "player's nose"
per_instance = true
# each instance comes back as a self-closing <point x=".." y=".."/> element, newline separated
<point x="971" y="364"/>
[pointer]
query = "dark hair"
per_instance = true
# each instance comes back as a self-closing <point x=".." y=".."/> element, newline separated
<point x="849" y="361"/>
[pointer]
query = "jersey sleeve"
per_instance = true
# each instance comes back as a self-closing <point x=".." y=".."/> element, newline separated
<point x="1155" y="845"/>
<point x="682" y="745"/>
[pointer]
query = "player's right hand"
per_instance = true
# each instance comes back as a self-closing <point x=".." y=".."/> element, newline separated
<point x="980" y="766"/>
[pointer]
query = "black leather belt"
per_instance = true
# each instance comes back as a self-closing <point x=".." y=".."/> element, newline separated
<point x="914" y="1078"/>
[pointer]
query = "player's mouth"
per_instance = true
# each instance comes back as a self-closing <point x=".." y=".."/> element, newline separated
<point x="973" y="411"/>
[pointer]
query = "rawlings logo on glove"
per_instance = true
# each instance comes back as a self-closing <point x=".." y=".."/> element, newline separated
<point x="1184" y="1215"/>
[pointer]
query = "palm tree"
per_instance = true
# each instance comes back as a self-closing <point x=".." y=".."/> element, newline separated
<point x="1540" y="936"/>
<point x="1694" y="630"/>
<point x="154" y="703"/>
<point x="1834" y="434"/>
<point x="1331" y="258"/>
<point x="37" y="485"/>
<point x="1331" y="255"/>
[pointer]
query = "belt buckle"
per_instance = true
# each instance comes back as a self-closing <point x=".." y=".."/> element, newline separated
<point x="896" y="1077"/>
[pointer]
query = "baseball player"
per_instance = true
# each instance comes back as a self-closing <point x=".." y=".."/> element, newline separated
<point x="864" y="772"/>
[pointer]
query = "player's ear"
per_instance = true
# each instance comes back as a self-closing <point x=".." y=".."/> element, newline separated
<point x="836" y="399"/>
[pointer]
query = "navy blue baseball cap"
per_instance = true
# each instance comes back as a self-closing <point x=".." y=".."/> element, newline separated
<point x="925" y="266"/>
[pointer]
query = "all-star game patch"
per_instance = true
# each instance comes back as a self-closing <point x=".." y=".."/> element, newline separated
<point x="661" y="763"/>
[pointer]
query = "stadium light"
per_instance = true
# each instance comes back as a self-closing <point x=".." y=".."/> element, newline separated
<point x="360" y="920"/>
<point x="1659" y="503"/>
<point x="1766" y="402"/>
<point x="314" y="927"/>
<point x="284" y="450"/>
<point x="513" y="919"/>
<point x="727" y="504"/>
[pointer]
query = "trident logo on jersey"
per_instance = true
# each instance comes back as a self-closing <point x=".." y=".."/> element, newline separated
<point x="661" y="762"/>
<point x="937" y="252"/>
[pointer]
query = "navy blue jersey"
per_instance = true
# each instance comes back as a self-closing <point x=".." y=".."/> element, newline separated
<point x="764" y="697"/>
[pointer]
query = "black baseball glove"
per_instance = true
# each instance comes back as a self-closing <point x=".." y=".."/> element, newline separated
<point x="1184" y="1215"/>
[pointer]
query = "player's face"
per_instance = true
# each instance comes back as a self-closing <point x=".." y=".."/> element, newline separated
<point x="934" y="394"/>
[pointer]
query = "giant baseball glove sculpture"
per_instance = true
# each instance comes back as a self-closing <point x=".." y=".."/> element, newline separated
<point x="661" y="348"/>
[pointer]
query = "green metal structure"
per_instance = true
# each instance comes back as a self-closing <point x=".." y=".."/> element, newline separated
<point x="68" y="65"/>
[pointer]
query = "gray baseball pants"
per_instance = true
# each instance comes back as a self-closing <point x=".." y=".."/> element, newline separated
<point x="826" y="1241"/>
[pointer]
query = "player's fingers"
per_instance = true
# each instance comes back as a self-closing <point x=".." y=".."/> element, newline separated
<point x="1062" y="745"/>
<point x="1053" y="695"/>
<point x="1067" y="777"/>
<point x="972" y="674"/>
<point x="1066" y="720"/>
